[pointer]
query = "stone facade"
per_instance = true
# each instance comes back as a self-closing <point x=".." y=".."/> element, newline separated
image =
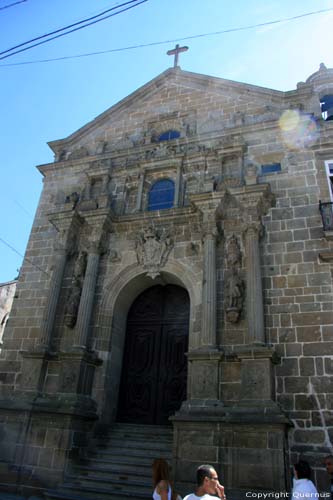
<point x="244" y="237"/>
<point x="7" y="292"/>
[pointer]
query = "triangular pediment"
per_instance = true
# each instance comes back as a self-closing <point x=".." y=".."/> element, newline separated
<point x="175" y="100"/>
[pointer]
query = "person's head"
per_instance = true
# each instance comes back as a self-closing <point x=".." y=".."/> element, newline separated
<point x="302" y="470"/>
<point x="207" y="478"/>
<point x="161" y="471"/>
<point x="329" y="464"/>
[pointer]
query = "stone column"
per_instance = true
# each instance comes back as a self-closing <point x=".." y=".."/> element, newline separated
<point x="208" y="324"/>
<point x="178" y="186"/>
<point x="52" y="299"/>
<point x="140" y="192"/>
<point x="254" y="297"/>
<point x="62" y="248"/>
<point x="87" y="297"/>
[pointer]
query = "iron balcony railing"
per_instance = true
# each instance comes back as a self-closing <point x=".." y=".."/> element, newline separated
<point x="326" y="210"/>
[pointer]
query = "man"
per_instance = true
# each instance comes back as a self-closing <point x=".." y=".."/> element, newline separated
<point x="329" y="468"/>
<point x="207" y="485"/>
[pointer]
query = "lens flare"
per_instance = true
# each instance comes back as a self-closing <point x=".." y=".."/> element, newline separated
<point x="298" y="130"/>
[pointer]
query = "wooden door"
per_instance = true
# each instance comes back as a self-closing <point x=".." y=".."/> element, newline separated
<point x="154" y="371"/>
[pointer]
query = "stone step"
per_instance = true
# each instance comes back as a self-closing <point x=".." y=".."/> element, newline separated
<point x="119" y="467"/>
<point x="114" y="472"/>
<point x="71" y="495"/>
<point x="113" y="484"/>
<point x="136" y="441"/>
<point x="134" y="453"/>
<point x="135" y="428"/>
<point x="121" y="460"/>
<point x="93" y="493"/>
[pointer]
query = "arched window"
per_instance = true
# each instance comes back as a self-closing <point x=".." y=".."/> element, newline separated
<point x="326" y="104"/>
<point x="161" y="195"/>
<point x="168" y="135"/>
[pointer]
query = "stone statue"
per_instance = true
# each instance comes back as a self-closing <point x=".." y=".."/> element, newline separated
<point x="234" y="255"/>
<point x="235" y="297"/>
<point x="235" y="285"/>
<point x="73" y="300"/>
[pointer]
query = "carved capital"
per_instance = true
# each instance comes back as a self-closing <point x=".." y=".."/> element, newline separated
<point x="254" y="229"/>
<point x="152" y="249"/>
<point x="210" y="232"/>
<point x="96" y="235"/>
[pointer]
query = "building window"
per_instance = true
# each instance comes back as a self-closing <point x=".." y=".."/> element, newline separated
<point x="161" y="195"/>
<point x="270" y="168"/>
<point x="168" y="135"/>
<point x="329" y="173"/>
<point x="326" y="104"/>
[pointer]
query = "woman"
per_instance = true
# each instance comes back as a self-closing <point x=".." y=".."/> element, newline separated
<point x="163" y="488"/>
<point x="303" y="487"/>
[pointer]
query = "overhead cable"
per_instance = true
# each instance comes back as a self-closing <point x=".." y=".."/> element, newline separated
<point x="26" y="258"/>
<point x="172" y="40"/>
<point x="70" y="31"/>
<point x="12" y="4"/>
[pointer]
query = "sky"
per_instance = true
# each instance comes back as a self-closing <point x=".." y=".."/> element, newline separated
<point x="45" y="101"/>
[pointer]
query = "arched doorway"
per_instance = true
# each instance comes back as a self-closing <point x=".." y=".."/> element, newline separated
<point x="154" y="370"/>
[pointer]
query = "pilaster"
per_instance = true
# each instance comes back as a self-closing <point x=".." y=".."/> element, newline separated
<point x="68" y="226"/>
<point x="254" y="294"/>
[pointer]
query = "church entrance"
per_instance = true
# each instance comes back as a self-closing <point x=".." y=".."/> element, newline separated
<point x="154" y="372"/>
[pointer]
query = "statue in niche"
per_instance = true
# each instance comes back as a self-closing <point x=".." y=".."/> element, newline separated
<point x="73" y="301"/>
<point x="234" y="254"/>
<point x="235" y="285"/>
<point x="235" y="297"/>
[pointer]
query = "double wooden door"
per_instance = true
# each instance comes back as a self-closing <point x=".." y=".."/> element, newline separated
<point x="154" y="371"/>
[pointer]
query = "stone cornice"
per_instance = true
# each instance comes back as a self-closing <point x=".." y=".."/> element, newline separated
<point x="50" y="168"/>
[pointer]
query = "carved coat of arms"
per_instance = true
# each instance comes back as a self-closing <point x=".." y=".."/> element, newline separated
<point x="152" y="249"/>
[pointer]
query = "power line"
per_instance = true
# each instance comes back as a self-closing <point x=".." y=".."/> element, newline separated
<point x="66" y="27"/>
<point x="73" y="30"/>
<point x="12" y="4"/>
<point x="190" y="37"/>
<point x="26" y="258"/>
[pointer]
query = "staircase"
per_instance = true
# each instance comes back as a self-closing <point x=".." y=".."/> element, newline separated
<point x="118" y="468"/>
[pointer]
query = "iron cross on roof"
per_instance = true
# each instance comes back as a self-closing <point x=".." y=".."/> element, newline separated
<point x="175" y="52"/>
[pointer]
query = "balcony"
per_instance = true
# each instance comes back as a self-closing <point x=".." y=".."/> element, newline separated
<point x="326" y="211"/>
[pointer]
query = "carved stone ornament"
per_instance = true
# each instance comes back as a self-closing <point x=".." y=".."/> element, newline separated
<point x="73" y="300"/>
<point x="234" y="283"/>
<point x="234" y="255"/>
<point x="152" y="249"/>
<point x="235" y="297"/>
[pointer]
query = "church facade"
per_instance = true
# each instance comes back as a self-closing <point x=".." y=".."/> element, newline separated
<point x="180" y="273"/>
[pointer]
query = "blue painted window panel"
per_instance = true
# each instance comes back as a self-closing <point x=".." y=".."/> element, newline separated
<point x="168" y="135"/>
<point x="270" y="168"/>
<point x="161" y="195"/>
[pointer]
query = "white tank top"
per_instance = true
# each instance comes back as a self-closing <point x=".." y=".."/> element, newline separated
<point x="157" y="496"/>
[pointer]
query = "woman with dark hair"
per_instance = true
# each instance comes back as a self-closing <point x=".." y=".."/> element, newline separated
<point x="303" y="487"/>
<point x="163" y="487"/>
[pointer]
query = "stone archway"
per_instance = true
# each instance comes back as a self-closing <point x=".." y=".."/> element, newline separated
<point x="119" y="296"/>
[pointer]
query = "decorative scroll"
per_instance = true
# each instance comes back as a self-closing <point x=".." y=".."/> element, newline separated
<point x="152" y="249"/>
